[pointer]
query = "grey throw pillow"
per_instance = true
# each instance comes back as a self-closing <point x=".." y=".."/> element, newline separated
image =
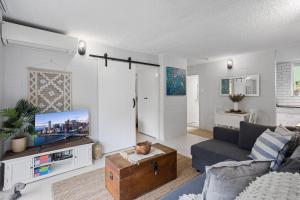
<point x="296" y="153"/>
<point x="291" y="166"/>
<point x="225" y="180"/>
<point x="293" y="143"/>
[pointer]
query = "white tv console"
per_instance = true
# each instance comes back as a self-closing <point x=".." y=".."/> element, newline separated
<point x="20" y="167"/>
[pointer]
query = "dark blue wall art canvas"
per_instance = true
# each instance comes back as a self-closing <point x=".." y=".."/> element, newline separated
<point x="176" y="81"/>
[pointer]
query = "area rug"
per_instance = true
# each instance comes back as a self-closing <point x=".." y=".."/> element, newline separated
<point x="91" y="185"/>
<point x="200" y="132"/>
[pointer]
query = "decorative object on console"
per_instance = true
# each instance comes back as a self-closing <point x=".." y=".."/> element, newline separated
<point x="272" y="186"/>
<point x="97" y="152"/>
<point x="19" y="123"/>
<point x="236" y="98"/>
<point x="143" y="148"/>
<point x="50" y="90"/>
<point x="175" y="81"/>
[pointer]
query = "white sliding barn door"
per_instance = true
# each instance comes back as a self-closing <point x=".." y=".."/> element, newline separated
<point x="116" y="111"/>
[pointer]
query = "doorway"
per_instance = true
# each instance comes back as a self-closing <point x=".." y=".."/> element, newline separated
<point x="193" y="101"/>
<point x="147" y="97"/>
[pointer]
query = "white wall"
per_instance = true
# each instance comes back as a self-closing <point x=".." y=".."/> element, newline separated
<point x="83" y="68"/>
<point x="173" y="110"/>
<point x="262" y="63"/>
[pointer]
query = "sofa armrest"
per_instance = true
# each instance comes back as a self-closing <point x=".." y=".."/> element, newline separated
<point x="226" y="134"/>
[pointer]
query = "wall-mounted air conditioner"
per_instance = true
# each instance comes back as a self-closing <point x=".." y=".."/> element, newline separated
<point x="15" y="34"/>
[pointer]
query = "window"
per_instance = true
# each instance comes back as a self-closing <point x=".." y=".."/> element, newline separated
<point x="296" y="80"/>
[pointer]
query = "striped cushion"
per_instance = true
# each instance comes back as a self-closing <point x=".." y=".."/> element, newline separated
<point x="270" y="146"/>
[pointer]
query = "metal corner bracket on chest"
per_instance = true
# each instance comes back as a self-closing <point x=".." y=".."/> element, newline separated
<point x="129" y="60"/>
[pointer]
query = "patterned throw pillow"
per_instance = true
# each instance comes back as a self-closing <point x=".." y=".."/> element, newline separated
<point x="294" y="142"/>
<point x="275" y="186"/>
<point x="270" y="146"/>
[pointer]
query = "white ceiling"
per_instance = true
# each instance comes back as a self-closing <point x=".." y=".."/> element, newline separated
<point x="193" y="29"/>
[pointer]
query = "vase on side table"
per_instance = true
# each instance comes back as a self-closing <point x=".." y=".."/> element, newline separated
<point x="235" y="106"/>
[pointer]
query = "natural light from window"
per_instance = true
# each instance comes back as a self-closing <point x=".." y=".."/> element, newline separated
<point x="296" y="80"/>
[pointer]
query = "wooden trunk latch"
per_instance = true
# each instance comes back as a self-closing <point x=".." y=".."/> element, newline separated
<point x="110" y="175"/>
<point x="155" y="167"/>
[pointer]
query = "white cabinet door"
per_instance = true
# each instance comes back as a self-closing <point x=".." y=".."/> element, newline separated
<point x="83" y="156"/>
<point x="18" y="171"/>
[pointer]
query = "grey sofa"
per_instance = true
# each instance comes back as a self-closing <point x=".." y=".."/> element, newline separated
<point x="228" y="144"/>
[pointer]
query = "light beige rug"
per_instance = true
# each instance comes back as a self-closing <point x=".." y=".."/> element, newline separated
<point x="91" y="186"/>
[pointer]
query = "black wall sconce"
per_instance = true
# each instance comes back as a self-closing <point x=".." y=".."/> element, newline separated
<point x="229" y="64"/>
<point x="81" y="47"/>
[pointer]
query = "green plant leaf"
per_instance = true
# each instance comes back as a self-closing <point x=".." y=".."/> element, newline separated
<point x="19" y="120"/>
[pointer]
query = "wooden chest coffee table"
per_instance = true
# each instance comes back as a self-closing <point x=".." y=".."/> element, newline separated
<point x="126" y="181"/>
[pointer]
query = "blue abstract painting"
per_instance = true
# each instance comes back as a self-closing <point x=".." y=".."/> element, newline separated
<point x="176" y="81"/>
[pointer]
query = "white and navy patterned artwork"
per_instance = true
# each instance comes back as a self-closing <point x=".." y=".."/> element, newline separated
<point x="50" y="90"/>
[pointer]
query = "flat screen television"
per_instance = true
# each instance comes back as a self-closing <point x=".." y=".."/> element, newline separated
<point x="53" y="127"/>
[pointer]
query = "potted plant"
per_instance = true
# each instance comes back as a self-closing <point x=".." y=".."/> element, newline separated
<point x="236" y="98"/>
<point x="18" y="123"/>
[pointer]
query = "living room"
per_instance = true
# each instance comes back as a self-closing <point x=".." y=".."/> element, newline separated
<point x="95" y="99"/>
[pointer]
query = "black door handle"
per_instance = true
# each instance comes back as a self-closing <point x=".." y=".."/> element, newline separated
<point x="133" y="102"/>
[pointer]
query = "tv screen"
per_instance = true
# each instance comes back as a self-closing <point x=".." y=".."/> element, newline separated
<point x="52" y="127"/>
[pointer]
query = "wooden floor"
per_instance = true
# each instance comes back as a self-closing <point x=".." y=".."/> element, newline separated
<point x="200" y="132"/>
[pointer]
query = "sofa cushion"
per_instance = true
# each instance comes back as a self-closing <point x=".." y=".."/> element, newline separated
<point x="249" y="133"/>
<point x="225" y="180"/>
<point x="226" y="134"/>
<point x="291" y="166"/>
<point x="292" y="145"/>
<point x="214" y="151"/>
<point x="296" y="153"/>
<point x="193" y="186"/>
<point x="271" y="146"/>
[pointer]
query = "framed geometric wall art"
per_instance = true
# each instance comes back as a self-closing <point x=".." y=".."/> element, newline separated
<point x="50" y="90"/>
<point x="175" y="81"/>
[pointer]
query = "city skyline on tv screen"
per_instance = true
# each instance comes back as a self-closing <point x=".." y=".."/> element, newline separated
<point x="72" y="123"/>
